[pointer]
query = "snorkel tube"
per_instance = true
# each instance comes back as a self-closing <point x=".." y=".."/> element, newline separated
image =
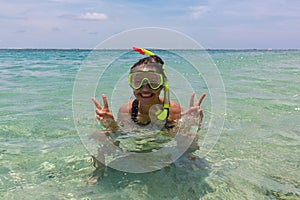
<point x="161" y="115"/>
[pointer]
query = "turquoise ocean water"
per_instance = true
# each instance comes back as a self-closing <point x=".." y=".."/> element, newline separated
<point x="255" y="157"/>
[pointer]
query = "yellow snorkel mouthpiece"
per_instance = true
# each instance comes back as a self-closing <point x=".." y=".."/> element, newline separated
<point x="164" y="114"/>
<point x="160" y="115"/>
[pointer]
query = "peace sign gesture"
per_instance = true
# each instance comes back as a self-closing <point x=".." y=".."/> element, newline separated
<point x="195" y="111"/>
<point x="103" y="114"/>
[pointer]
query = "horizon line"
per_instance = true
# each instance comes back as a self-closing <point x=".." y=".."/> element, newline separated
<point x="208" y="49"/>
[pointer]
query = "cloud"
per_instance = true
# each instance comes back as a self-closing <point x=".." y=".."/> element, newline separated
<point x="21" y="31"/>
<point x="93" y="16"/>
<point x="198" y="11"/>
<point x="267" y="8"/>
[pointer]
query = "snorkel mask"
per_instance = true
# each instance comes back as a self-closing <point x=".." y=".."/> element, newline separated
<point x="155" y="81"/>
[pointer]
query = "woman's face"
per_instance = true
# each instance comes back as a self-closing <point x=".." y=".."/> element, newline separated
<point x="147" y="95"/>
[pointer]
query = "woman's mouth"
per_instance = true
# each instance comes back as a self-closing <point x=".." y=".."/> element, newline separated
<point x="146" y="95"/>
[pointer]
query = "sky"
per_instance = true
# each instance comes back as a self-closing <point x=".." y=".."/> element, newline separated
<point x="215" y="24"/>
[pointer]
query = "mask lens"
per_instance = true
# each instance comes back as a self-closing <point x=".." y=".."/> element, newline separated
<point x="137" y="79"/>
<point x="155" y="80"/>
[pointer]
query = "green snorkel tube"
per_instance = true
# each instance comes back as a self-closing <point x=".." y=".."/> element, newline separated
<point x="160" y="115"/>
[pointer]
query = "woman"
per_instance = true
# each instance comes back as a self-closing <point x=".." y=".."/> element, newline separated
<point x="147" y="78"/>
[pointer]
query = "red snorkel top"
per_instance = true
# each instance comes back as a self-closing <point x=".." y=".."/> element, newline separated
<point x="143" y="51"/>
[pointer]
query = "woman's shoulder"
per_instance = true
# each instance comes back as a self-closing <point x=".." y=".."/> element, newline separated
<point x="175" y="110"/>
<point x="126" y="107"/>
<point x="175" y="106"/>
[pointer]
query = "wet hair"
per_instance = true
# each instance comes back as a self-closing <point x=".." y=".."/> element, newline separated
<point x="147" y="60"/>
<point x="153" y="61"/>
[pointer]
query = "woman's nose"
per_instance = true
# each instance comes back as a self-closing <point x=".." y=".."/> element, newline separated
<point x="145" y="85"/>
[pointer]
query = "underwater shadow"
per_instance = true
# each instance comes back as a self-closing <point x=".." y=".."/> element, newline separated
<point x="183" y="179"/>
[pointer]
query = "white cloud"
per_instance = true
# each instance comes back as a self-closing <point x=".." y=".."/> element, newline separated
<point x="199" y="11"/>
<point x="93" y="16"/>
<point x="267" y="8"/>
<point x="63" y="1"/>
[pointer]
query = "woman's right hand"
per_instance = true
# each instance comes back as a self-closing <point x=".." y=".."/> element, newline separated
<point x="104" y="115"/>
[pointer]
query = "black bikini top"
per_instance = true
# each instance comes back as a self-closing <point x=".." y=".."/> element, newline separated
<point x="134" y="114"/>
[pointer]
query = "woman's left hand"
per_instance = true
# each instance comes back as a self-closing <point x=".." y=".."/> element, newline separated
<point x="195" y="111"/>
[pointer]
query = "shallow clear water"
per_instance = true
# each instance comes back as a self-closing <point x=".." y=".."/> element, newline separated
<point x="256" y="156"/>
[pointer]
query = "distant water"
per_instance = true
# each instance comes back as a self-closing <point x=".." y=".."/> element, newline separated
<point x="256" y="156"/>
